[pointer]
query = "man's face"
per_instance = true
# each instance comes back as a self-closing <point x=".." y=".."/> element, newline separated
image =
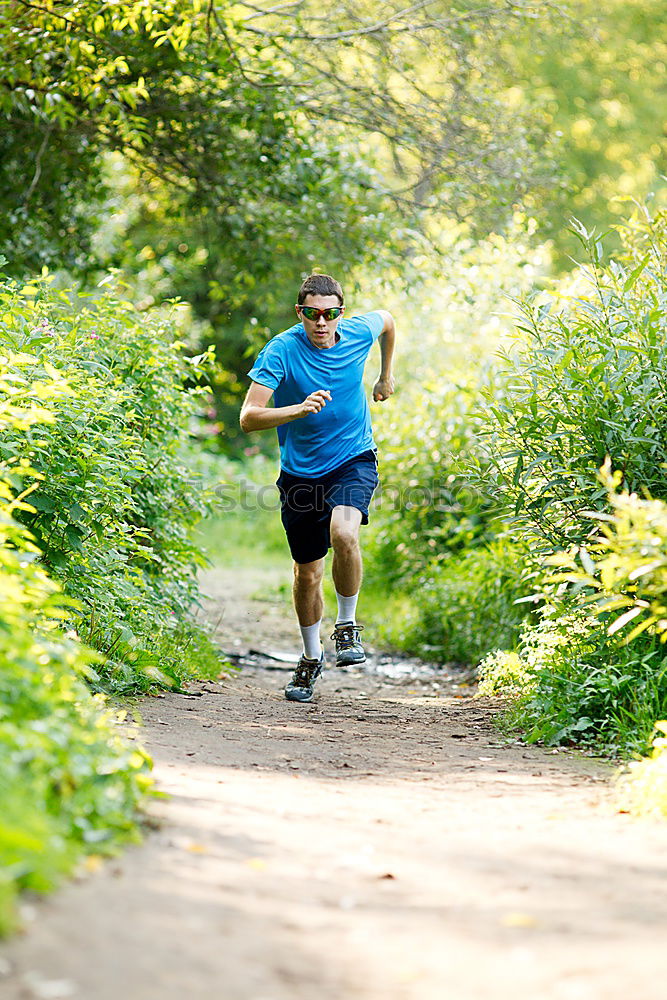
<point x="321" y="332"/>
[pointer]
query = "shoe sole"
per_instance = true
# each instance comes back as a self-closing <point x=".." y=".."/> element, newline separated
<point x="290" y="697"/>
<point x="350" y="663"/>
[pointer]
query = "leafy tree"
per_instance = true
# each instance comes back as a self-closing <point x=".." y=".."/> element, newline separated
<point x="212" y="99"/>
<point x="255" y="143"/>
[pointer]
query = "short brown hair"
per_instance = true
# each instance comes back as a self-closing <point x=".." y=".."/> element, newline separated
<point x="319" y="284"/>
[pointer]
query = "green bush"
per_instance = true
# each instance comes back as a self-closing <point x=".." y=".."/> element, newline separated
<point x="115" y="505"/>
<point x="586" y="382"/>
<point x="572" y="683"/>
<point x="624" y="567"/>
<point x="69" y="783"/>
<point x="585" y="386"/>
<point x="96" y="403"/>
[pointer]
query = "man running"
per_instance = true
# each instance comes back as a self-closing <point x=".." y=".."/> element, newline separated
<point x="328" y="459"/>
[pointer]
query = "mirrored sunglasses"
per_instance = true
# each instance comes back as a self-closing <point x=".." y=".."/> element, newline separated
<point x="314" y="314"/>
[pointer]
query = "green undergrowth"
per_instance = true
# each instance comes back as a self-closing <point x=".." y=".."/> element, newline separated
<point x="437" y="614"/>
<point x="527" y="523"/>
<point x="113" y="501"/>
<point x="71" y="783"/>
<point x="569" y="682"/>
<point x="577" y="448"/>
<point x="98" y="568"/>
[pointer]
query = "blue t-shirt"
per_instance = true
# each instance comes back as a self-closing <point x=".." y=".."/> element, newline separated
<point x="293" y="368"/>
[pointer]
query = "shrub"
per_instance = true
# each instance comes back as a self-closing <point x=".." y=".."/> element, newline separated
<point x="115" y="505"/>
<point x="95" y="405"/>
<point x="624" y="567"/>
<point x="587" y="382"/>
<point x="573" y="683"/>
<point x="464" y="606"/>
<point x="68" y="782"/>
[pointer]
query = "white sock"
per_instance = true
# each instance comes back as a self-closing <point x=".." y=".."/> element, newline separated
<point x="312" y="647"/>
<point x="347" y="608"/>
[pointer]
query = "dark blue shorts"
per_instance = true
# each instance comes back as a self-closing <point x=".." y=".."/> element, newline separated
<point x="306" y="504"/>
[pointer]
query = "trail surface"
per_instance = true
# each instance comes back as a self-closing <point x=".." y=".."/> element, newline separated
<point x="382" y="842"/>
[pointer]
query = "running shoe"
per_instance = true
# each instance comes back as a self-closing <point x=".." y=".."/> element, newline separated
<point x="348" y="645"/>
<point x="300" y="688"/>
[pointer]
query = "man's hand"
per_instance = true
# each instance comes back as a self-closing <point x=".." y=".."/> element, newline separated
<point x="315" y="402"/>
<point x="256" y="415"/>
<point x="383" y="388"/>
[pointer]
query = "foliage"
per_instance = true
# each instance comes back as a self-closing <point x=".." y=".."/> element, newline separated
<point x="69" y="783"/>
<point x="463" y="605"/>
<point x="642" y="786"/>
<point x="625" y="566"/>
<point x="572" y="683"/>
<point x="87" y="77"/>
<point x="207" y="150"/>
<point x="114" y="504"/>
<point x="502" y="672"/>
<point x="221" y="103"/>
<point x="587" y="382"/>
<point x="583" y="379"/>
<point x="624" y="570"/>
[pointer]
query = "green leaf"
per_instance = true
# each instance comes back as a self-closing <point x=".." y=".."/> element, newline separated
<point x="632" y="277"/>
<point x="43" y="503"/>
<point x="74" y="536"/>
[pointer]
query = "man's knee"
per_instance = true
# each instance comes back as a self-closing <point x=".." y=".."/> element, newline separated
<point x="345" y="522"/>
<point x="309" y="574"/>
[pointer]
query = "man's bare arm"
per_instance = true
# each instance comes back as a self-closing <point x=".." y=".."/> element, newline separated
<point x="384" y="387"/>
<point x="257" y="415"/>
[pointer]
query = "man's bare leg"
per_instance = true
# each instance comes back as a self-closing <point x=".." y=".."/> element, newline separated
<point x="347" y="567"/>
<point x="307" y="592"/>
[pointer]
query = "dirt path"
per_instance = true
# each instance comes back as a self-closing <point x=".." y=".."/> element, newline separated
<point x="382" y="842"/>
